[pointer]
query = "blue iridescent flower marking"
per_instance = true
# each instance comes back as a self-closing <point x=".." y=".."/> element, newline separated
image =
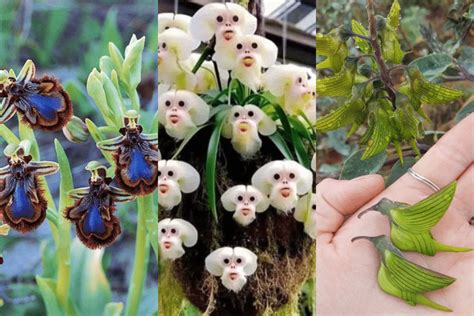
<point x="94" y="207"/>
<point x="42" y="103"/>
<point x="21" y="206"/>
<point x="21" y="199"/>
<point x="136" y="157"/>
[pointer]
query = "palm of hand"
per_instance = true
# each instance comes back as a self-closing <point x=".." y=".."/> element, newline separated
<point x="348" y="271"/>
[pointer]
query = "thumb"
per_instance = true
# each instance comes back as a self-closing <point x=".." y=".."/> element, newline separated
<point x="336" y="199"/>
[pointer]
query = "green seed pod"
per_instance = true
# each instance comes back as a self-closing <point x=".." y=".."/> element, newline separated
<point x="404" y="279"/>
<point x="411" y="224"/>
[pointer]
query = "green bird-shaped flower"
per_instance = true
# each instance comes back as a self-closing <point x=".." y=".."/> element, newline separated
<point x="411" y="224"/>
<point x="404" y="279"/>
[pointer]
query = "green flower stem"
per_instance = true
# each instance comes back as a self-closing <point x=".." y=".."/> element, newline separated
<point x="207" y="52"/>
<point x="142" y="252"/>
<point x="64" y="227"/>
<point x="151" y="218"/>
<point x="133" y="94"/>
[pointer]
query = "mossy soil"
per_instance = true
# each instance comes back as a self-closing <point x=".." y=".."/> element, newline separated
<point x="285" y="253"/>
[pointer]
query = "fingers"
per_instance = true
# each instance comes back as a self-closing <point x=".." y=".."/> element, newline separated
<point x="446" y="160"/>
<point x="336" y="199"/>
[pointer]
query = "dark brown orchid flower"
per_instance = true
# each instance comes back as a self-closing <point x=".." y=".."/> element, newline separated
<point x="136" y="157"/>
<point x="93" y="209"/>
<point x="42" y="103"/>
<point x="21" y="198"/>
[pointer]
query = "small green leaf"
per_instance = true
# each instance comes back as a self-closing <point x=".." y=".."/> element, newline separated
<point x="47" y="289"/>
<point x="8" y="135"/>
<point x="360" y="29"/>
<point x="113" y="309"/>
<point x="399" y="170"/>
<point x="151" y="218"/>
<point x="211" y="161"/>
<point x="132" y="64"/>
<point x="393" y="17"/>
<point x="116" y="56"/>
<point x="282" y="146"/>
<point x="355" y="167"/>
<point x="90" y="290"/>
<point x="465" y="111"/>
<point x="433" y="65"/>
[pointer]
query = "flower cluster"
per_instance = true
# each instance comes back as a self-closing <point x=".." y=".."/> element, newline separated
<point x="44" y="104"/>
<point x="236" y="86"/>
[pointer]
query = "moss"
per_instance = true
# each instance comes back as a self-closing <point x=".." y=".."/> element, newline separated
<point x="285" y="252"/>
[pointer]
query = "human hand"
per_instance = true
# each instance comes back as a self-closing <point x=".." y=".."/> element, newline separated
<point x="347" y="272"/>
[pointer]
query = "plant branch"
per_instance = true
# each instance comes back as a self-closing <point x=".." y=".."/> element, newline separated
<point x="218" y="76"/>
<point x="384" y="72"/>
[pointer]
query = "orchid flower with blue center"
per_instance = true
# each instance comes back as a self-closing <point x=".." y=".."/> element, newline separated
<point x="93" y="208"/>
<point x="136" y="156"/>
<point x="42" y="103"/>
<point x="290" y="84"/>
<point x="21" y="198"/>
<point x="246" y="58"/>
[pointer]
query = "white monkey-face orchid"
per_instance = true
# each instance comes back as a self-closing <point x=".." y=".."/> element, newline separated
<point x="172" y="234"/>
<point x="174" y="177"/>
<point x="290" y="83"/>
<point x="180" y="111"/>
<point x="170" y="20"/>
<point x="224" y="20"/>
<point x="233" y="265"/>
<point x="283" y="181"/>
<point x="246" y="58"/>
<point x="174" y="48"/>
<point x="244" y="201"/>
<point x="243" y="125"/>
<point x="305" y="212"/>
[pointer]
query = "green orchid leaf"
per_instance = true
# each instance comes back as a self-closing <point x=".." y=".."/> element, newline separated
<point x="113" y="309"/>
<point x="211" y="161"/>
<point x="281" y="144"/>
<point x="90" y="289"/>
<point x="47" y="289"/>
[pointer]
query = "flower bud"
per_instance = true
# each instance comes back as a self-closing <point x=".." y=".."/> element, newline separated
<point x="76" y="131"/>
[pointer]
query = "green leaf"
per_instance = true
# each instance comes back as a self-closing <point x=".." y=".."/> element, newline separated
<point x="282" y="146"/>
<point x="98" y="136"/>
<point x="298" y="145"/>
<point x="333" y="48"/>
<point x="358" y="28"/>
<point x="151" y="218"/>
<point x="399" y="170"/>
<point x="465" y="111"/>
<point x="47" y="289"/>
<point x="132" y="64"/>
<point x="113" y="309"/>
<point x="212" y="160"/>
<point x="393" y="17"/>
<point x="90" y="290"/>
<point x="8" y="135"/>
<point x="186" y="140"/>
<point x="355" y="167"/>
<point x="64" y="226"/>
<point x="433" y="65"/>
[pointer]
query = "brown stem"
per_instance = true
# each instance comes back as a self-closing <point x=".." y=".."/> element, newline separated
<point x="384" y="72"/>
<point x="255" y="8"/>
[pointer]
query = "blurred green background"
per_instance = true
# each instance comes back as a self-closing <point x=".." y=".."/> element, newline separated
<point x="66" y="38"/>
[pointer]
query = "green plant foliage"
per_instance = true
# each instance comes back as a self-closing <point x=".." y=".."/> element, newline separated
<point x="355" y="167"/>
<point x="391" y="114"/>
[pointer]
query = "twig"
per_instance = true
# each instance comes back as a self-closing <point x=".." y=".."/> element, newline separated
<point x="384" y="73"/>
